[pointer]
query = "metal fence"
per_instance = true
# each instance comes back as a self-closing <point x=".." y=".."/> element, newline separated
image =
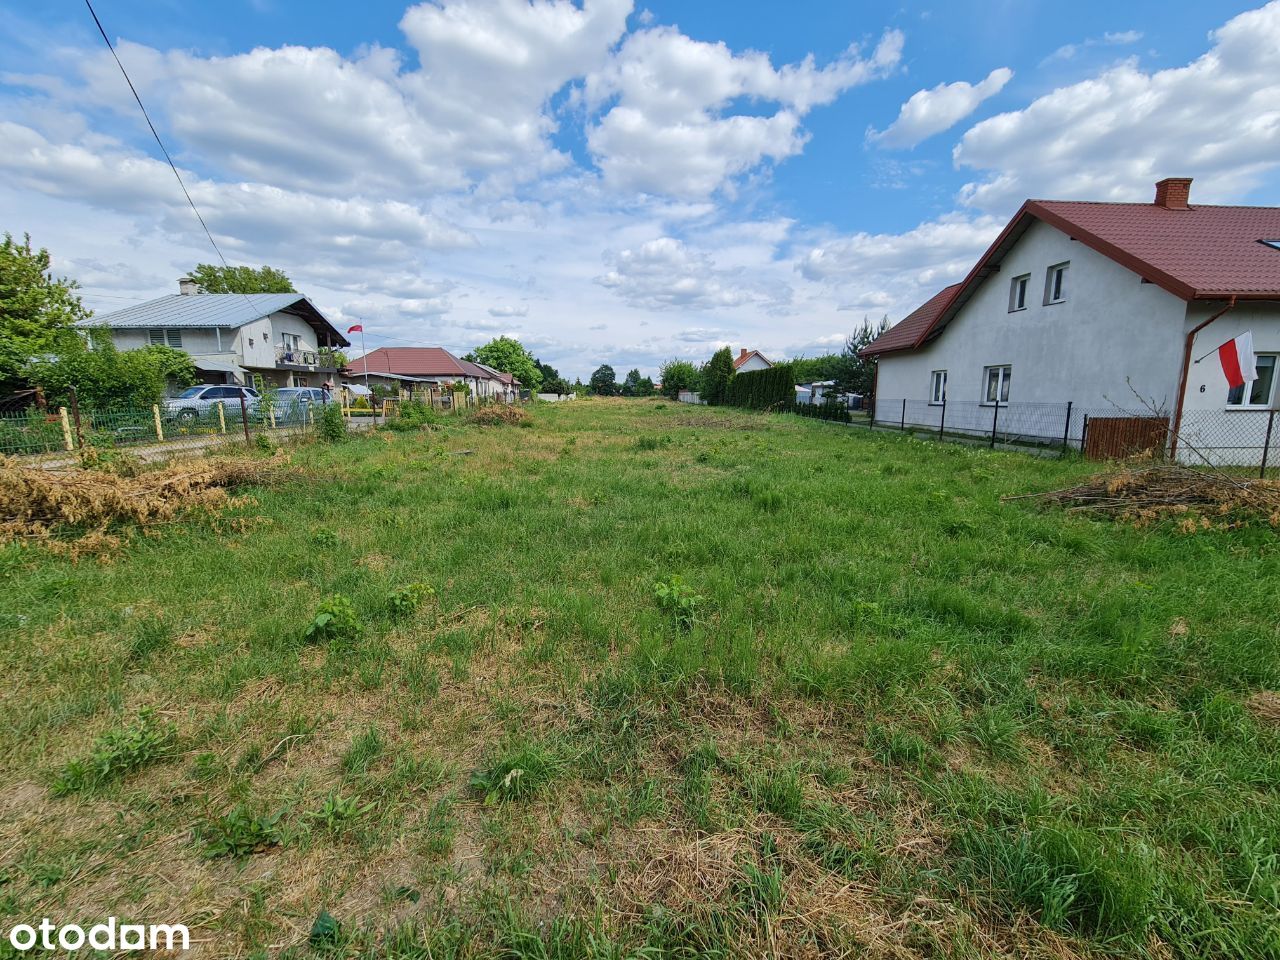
<point x="1237" y="438"/>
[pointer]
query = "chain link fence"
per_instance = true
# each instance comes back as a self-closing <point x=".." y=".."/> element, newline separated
<point x="1219" y="438"/>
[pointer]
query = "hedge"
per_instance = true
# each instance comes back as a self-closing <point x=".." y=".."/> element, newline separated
<point x="763" y="389"/>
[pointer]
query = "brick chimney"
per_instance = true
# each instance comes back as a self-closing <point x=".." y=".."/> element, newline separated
<point x="188" y="287"/>
<point x="1173" y="193"/>
<point x="742" y="354"/>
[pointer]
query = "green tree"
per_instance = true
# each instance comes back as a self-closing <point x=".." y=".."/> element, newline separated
<point x="716" y="374"/>
<point x="855" y="374"/>
<point x="509" y="356"/>
<point x="677" y="375"/>
<point x="35" y="307"/>
<point x="105" y="377"/>
<point x="604" y="382"/>
<point x="633" y="384"/>
<point x="812" y="369"/>
<point x="646" y="387"/>
<point x="241" y="279"/>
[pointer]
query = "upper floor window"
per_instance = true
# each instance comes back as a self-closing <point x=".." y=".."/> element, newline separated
<point x="292" y="341"/>
<point x="165" y="338"/>
<point x="1055" y="283"/>
<point x="938" y="386"/>
<point x="996" y="383"/>
<point x="1261" y="390"/>
<point x="1018" y="292"/>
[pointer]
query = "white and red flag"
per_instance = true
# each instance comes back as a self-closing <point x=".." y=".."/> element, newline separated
<point x="1239" y="364"/>
<point x="356" y="328"/>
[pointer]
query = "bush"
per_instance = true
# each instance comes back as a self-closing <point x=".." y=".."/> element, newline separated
<point x="763" y="389"/>
<point x="333" y="428"/>
<point x="414" y="415"/>
<point x="679" y="375"/>
<point x="717" y="377"/>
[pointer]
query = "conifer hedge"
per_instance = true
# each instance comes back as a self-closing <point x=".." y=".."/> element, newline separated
<point x="774" y="388"/>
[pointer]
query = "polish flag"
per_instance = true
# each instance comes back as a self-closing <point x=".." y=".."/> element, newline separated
<point x="1238" y="361"/>
<point x="356" y="328"/>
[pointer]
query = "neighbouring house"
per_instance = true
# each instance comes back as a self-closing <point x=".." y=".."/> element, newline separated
<point x="410" y="367"/>
<point x="748" y="360"/>
<point x="818" y="391"/>
<point x="1108" y="306"/>
<point x="281" y="338"/>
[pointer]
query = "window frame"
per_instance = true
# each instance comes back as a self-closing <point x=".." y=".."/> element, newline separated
<point x="1056" y="271"/>
<point x="1002" y="384"/>
<point x="164" y="337"/>
<point x="1018" y="287"/>
<point x="1267" y="403"/>
<point x="937" y="378"/>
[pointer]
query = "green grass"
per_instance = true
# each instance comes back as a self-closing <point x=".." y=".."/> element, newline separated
<point x="651" y="680"/>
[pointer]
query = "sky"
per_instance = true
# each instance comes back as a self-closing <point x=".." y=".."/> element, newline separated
<point x="609" y="181"/>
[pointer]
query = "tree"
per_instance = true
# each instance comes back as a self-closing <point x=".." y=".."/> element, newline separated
<point x="813" y="369"/>
<point x="35" y="307"/>
<point x="633" y="384"/>
<point x="105" y="377"/>
<point x="241" y="279"/>
<point x="677" y="375"/>
<point x="716" y="375"/>
<point x="857" y="374"/>
<point x="604" y="381"/>
<point x="646" y="387"/>
<point x="509" y="356"/>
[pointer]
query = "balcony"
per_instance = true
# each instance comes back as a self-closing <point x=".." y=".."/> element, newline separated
<point x="292" y="358"/>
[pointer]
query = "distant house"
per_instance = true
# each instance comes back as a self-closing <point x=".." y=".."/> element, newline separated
<point x="232" y="337"/>
<point x="408" y="367"/>
<point x="748" y="360"/>
<point x="1105" y="305"/>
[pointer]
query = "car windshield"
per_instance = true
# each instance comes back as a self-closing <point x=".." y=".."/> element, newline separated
<point x="190" y="392"/>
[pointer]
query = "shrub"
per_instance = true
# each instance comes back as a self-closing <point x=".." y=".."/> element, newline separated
<point x="677" y="375"/>
<point x="115" y="754"/>
<point x="679" y="600"/>
<point x="335" y="622"/>
<point x="333" y="427"/>
<point x="763" y="389"/>
<point x="717" y="377"/>
<point x="414" y="415"/>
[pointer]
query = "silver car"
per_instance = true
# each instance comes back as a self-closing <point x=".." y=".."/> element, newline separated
<point x="294" y="403"/>
<point x="199" y="401"/>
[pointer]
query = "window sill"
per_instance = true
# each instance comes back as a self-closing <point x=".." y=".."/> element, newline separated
<point x="1248" y="408"/>
<point x="1054" y="303"/>
<point x="937" y="403"/>
<point x="1018" y="310"/>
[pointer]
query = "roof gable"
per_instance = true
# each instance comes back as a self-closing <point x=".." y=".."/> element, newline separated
<point x="747" y="355"/>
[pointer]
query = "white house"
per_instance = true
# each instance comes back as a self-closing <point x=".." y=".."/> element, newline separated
<point x="748" y="360"/>
<point x="1108" y="306"/>
<point x="232" y="337"/>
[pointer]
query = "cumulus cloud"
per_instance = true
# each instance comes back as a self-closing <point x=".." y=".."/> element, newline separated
<point x="932" y="111"/>
<point x="505" y="311"/>
<point x="1110" y="137"/>
<point x="668" y="128"/>
<point x="666" y="273"/>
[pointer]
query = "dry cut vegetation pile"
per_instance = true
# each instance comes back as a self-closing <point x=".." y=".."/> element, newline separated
<point x="1201" y="499"/>
<point x="500" y="415"/>
<point x="36" y="503"/>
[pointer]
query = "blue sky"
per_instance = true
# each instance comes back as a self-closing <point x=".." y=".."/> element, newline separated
<point x="609" y="182"/>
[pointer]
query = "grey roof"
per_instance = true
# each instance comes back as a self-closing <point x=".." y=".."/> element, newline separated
<point x="199" y="310"/>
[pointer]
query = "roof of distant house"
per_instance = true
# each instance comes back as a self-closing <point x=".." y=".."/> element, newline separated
<point x="744" y="355"/>
<point x="421" y="362"/>
<point x="210" y="310"/>
<point x="1194" y="251"/>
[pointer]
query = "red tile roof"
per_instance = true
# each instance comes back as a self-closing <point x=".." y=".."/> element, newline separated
<point x="411" y="362"/>
<point x="1200" y="252"/>
<point x="746" y="355"/>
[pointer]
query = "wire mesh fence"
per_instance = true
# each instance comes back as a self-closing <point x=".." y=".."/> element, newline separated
<point x="1246" y="438"/>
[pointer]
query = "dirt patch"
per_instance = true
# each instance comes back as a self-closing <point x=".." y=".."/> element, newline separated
<point x="1265" y="706"/>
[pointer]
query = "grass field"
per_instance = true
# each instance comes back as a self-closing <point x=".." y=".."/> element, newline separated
<point x="651" y="680"/>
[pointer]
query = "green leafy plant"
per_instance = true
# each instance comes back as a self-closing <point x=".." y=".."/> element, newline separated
<point x="326" y="931"/>
<point x="335" y="622"/>
<point x="337" y="813"/>
<point x="332" y="426"/>
<point x="239" y="833"/>
<point x="324" y="537"/>
<point x="404" y="601"/>
<point x="116" y="754"/>
<point x="517" y="774"/>
<point x="679" y="600"/>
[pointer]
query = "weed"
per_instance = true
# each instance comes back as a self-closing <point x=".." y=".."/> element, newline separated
<point x="116" y="754"/>
<point x="338" y="813"/>
<point x="325" y="538"/>
<point x="402" y="602"/>
<point x="679" y="600"/>
<point x="335" y="623"/>
<point x="364" y="750"/>
<point x="516" y="774"/>
<point x="239" y="833"/>
<point x="331" y="424"/>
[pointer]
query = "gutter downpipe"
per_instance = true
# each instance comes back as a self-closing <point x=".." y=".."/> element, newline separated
<point x="1186" y="370"/>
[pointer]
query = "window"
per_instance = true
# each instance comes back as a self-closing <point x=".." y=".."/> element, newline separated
<point x="292" y="341"/>
<point x="938" y="387"/>
<point x="1018" y="292"/>
<point x="165" y="338"/>
<point x="1055" y="284"/>
<point x="1260" y="390"/>
<point x="996" y="389"/>
<point x="1271" y="243"/>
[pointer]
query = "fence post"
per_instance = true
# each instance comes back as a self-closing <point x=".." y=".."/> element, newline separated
<point x="75" y="415"/>
<point x="244" y="417"/>
<point x="942" y="420"/>
<point x="903" y="425"/>
<point x="1266" y="445"/>
<point x="995" y="417"/>
<point x="271" y="414"/>
<point x="222" y="416"/>
<point x="66" y="429"/>
<point x="1066" y="428"/>
<point x="155" y="416"/>
<point x="1084" y="432"/>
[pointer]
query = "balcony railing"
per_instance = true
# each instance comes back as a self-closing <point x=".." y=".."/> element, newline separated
<point x="297" y="357"/>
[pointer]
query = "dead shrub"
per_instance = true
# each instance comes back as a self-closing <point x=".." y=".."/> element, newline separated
<point x="502" y="416"/>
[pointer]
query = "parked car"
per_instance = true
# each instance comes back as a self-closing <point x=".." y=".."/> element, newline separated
<point x="292" y="403"/>
<point x="199" y="401"/>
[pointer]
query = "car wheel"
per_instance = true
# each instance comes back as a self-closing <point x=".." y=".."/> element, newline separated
<point x="188" y="415"/>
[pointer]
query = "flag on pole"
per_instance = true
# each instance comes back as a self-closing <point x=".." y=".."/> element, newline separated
<point x="356" y="328"/>
<point x="1239" y="364"/>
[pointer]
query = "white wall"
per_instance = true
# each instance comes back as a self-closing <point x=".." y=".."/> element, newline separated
<point x="1112" y="332"/>
<point x="755" y="363"/>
